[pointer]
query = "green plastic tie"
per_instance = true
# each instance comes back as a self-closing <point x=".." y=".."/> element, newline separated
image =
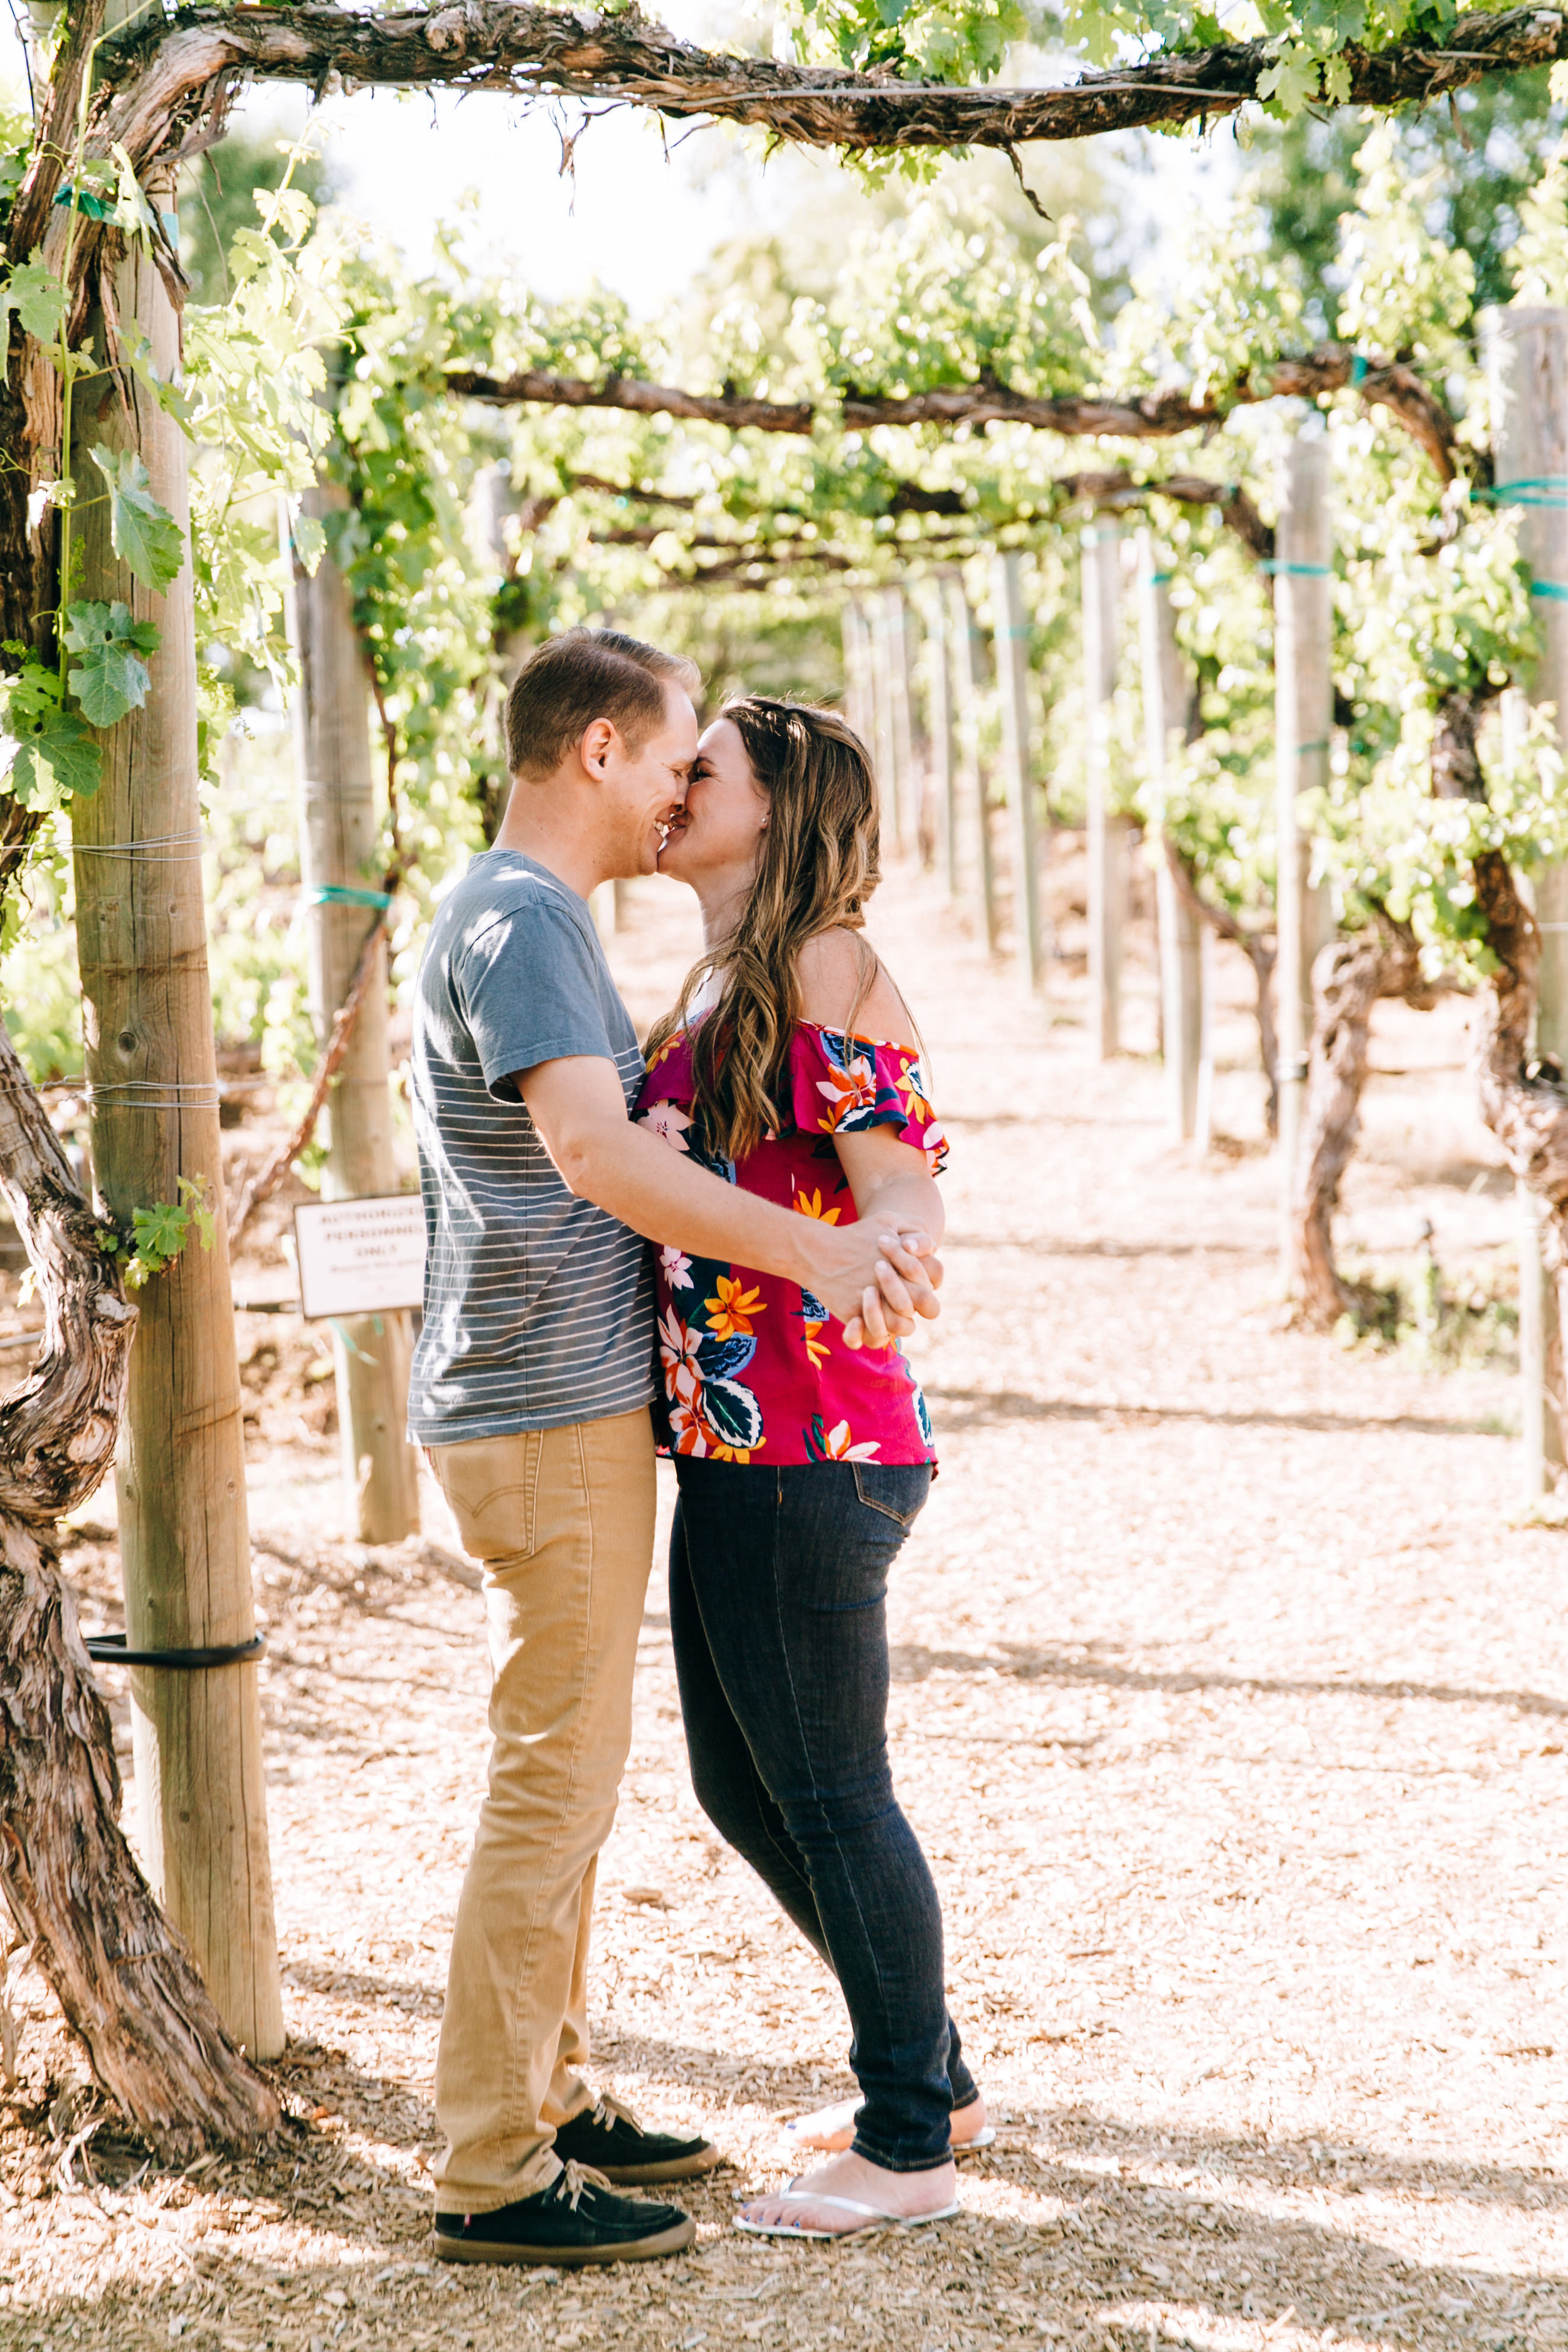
<point x="1299" y="571"/>
<point x="1530" y="490"/>
<point x="1358" y="366"/>
<point x="1160" y="579"/>
<point x="1552" y="590"/>
<point x="96" y="207"/>
<point x="1320" y="745"/>
<point x="336" y="894"/>
<point x="337" y="1324"/>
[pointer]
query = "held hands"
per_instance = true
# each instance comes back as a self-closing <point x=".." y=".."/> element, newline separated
<point x="879" y="1300"/>
<point x="909" y="1276"/>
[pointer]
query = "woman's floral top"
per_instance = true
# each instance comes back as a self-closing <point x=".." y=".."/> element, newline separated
<point x="754" y="1368"/>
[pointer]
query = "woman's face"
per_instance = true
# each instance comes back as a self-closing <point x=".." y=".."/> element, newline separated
<point x="717" y="835"/>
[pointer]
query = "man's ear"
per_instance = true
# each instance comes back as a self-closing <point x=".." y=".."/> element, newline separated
<point x="599" y="740"/>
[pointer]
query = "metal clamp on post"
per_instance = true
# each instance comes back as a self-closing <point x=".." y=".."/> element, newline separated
<point x="110" y="1649"/>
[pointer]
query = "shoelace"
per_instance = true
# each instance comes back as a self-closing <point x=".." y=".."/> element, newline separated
<point x="609" y="2111"/>
<point x="578" y="2176"/>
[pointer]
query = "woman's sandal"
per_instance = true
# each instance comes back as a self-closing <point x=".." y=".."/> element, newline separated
<point x="874" y="2216"/>
<point x="831" y="2131"/>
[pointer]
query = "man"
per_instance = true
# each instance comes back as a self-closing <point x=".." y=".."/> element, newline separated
<point x="531" y="1390"/>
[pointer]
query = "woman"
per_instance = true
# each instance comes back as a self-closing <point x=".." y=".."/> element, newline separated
<point x="791" y="1067"/>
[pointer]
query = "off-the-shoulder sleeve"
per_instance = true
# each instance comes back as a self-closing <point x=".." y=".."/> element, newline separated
<point x="842" y="1085"/>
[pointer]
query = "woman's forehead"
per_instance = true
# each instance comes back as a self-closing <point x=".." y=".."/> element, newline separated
<point x="723" y="735"/>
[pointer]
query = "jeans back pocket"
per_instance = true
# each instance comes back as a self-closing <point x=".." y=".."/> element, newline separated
<point x="897" y="1489"/>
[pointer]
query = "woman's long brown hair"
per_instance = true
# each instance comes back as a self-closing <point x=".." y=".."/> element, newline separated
<point x="818" y="865"/>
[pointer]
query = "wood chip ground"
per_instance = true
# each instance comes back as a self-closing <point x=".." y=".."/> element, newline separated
<point x="1230" y="1707"/>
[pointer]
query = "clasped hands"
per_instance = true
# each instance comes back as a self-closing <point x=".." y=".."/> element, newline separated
<point x="905" y="1275"/>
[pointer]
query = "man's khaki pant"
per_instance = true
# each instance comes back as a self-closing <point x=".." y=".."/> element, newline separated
<point x="562" y="1520"/>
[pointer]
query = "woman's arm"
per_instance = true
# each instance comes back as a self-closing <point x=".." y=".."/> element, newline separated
<point x="893" y="1187"/>
<point x="894" y="1190"/>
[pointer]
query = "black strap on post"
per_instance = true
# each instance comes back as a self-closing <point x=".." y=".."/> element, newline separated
<point x="110" y="1650"/>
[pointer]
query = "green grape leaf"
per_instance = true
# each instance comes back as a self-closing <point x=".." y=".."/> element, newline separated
<point x="38" y="299"/>
<point x="112" y="678"/>
<point x="161" y="1232"/>
<point x="309" y="542"/>
<point x="1337" y="81"/>
<point x="146" y="534"/>
<point x="30" y="693"/>
<point x="1290" y="82"/>
<point x="59" y="762"/>
<point x="196" y="1199"/>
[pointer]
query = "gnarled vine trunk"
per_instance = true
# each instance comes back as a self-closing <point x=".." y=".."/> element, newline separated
<point x="125" y="1980"/>
<point x="1348" y="978"/>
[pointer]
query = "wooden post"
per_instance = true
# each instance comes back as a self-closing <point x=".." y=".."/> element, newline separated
<point x="905" y="794"/>
<point x="1303" y="718"/>
<point x="339" y="840"/>
<point x="857" y="701"/>
<point x="974" y="800"/>
<point x="1165" y="693"/>
<point x="1107" y="833"/>
<point x="1203" y="1106"/>
<point x="883" y="746"/>
<point x="1012" y="635"/>
<point x="938" y="728"/>
<point x="1527" y="352"/>
<point x="184" y="1542"/>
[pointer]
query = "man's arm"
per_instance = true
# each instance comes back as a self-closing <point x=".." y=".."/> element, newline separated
<point x="859" y="1272"/>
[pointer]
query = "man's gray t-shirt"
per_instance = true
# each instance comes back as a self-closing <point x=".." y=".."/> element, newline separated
<point x="538" y="1307"/>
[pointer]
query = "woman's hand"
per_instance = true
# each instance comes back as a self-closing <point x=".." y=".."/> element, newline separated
<point x="908" y="1274"/>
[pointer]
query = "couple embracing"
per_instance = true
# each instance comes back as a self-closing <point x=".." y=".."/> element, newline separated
<point x="777" y="1148"/>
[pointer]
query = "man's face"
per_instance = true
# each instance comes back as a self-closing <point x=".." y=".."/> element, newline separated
<point x="644" y="788"/>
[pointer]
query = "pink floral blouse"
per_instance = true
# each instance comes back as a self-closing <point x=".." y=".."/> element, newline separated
<point x="754" y="1366"/>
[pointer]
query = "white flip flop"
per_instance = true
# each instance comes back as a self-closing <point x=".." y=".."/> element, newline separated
<point x="831" y="2130"/>
<point x="873" y="2216"/>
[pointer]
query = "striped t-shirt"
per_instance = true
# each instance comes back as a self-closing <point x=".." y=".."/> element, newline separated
<point x="538" y="1307"/>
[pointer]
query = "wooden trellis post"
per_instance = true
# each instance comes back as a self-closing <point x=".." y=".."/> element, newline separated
<point x="857" y="699"/>
<point x="1527" y="352"/>
<point x="1165" y="692"/>
<point x="184" y="1542"/>
<point x="340" y="867"/>
<point x="905" y="796"/>
<point x="883" y="746"/>
<point x="1304" y="712"/>
<point x="1012" y="635"/>
<point x="939" y="730"/>
<point x="1107" y="833"/>
<point x="974" y="800"/>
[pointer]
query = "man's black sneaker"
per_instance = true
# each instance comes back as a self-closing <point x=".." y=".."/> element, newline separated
<point x="575" y="2221"/>
<point x="609" y="2138"/>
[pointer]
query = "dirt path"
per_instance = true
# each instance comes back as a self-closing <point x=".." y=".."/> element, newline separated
<point x="1231" y="1711"/>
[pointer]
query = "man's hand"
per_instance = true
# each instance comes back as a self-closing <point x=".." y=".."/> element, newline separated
<point x="865" y="1276"/>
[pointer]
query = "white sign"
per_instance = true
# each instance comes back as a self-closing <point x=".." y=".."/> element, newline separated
<point x="361" y="1257"/>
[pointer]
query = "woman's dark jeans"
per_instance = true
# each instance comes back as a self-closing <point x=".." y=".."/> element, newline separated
<point x="778" y="1582"/>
